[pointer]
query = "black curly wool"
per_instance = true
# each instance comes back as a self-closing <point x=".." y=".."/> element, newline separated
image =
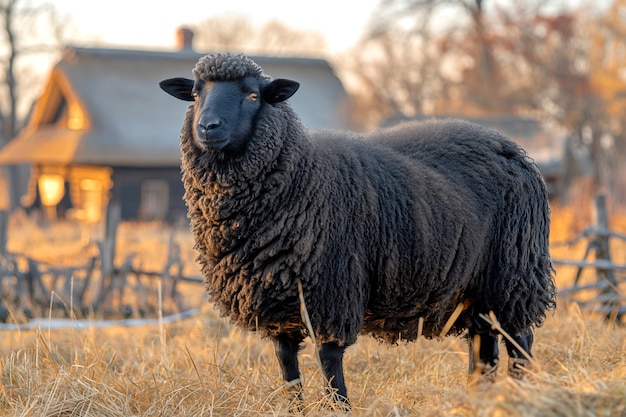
<point x="227" y="67"/>
<point x="381" y="230"/>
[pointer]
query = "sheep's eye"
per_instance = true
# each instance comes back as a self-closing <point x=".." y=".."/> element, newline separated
<point x="253" y="96"/>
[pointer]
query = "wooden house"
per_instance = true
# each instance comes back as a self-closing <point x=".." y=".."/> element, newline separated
<point x="103" y="128"/>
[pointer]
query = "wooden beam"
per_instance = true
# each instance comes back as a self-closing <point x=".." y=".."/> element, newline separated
<point x="598" y="264"/>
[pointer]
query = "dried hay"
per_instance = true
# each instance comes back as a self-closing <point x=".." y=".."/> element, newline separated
<point x="204" y="367"/>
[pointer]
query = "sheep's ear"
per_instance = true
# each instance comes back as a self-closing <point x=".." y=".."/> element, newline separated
<point x="179" y="87"/>
<point x="279" y="90"/>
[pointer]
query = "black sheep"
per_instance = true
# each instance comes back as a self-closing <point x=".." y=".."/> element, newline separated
<point x="388" y="233"/>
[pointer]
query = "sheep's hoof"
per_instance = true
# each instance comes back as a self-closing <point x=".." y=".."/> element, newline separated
<point x="517" y="367"/>
<point x="490" y="372"/>
<point x="483" y="372"/>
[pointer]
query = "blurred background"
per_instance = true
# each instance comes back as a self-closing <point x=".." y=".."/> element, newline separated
<point x="83" y="121"/>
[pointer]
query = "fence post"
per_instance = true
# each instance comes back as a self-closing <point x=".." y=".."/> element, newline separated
<point x="4" y="231"/>
<point x="601" y="219"/>
<point x="107" y="250"/>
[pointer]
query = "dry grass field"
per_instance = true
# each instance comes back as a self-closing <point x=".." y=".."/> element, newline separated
<point x="201" y="366"/>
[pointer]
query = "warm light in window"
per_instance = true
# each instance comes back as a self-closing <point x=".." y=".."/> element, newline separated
<point x="75" y="117"/>
<point x="91" y="199"/>
<point x="51" y="189"/>
<point x="88" y="184"/>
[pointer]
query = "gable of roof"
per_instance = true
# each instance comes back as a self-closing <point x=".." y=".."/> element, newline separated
<point x="121" y="117"/>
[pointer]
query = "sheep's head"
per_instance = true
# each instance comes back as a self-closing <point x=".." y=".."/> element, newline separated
<point x="229" y="91"/>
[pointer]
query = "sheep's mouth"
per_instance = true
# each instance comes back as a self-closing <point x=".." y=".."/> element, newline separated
<point x="211" y="143"/>
<point x="210" y="140"/>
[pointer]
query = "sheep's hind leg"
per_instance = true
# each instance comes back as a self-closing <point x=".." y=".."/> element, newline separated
<point x="486" y="359"/>
<point x="331" y="357"/>
<point x="517" y="359"/>
<point x="287" y="348"/>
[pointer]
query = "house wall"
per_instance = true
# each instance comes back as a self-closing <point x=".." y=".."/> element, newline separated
<point x="75" y="191"/>
<point x="149" y="193"/>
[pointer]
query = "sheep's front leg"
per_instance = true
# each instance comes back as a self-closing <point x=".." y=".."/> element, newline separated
<point x="287" y="347"/>
<point x="517" y="358"/>
<point x="331" y="356"/>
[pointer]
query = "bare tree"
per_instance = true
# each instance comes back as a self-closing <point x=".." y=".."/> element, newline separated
<point x="391" y="78"/>
<point x="601" y="125"/>
<point x="25" y="32"/>
<point x="228" y="32"/>
<point x="236" y="33"/>
<point x="566" y="67"/>
<point x="278" y="38"/>
<point x="464" y="26"/>
<point x="413" y="61"/>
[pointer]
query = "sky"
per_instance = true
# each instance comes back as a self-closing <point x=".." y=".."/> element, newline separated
<point x="152" y="24"/>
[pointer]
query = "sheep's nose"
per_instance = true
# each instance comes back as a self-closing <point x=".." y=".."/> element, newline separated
<point x="208" y="125"/>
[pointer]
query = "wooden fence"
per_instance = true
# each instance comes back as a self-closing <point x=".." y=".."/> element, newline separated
<point x="33" y="288"/>
<point x="607" y="295"/>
